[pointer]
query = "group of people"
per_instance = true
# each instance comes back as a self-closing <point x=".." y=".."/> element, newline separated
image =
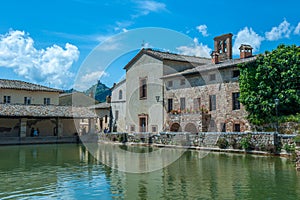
<point x="34" y="132"/>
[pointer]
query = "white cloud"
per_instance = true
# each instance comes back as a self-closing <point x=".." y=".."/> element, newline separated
<point x="297" y="29"/>
<point x="121" y="25"/>
<point x="247" y="36"/>
<point x="89" y="79"/>
<point x="145" y="7"/>
<point x="50" y="65"/>
<point x="283" y="30"/>
<point x="195" y="50"/>
<point x="202" y="29"/>
<point x="93" y="76"/>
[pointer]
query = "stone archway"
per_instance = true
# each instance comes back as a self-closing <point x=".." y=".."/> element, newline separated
<point x="191" y="127"/>
<point x="175" y="127"/>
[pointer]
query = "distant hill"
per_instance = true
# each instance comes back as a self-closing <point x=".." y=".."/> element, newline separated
<point x="99" y="91"/>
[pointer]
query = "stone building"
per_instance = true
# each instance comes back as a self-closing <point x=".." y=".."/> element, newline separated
<point x="143" y="90"/>
<point x="27" y="107"/>
<point x="172" y="92"/>
<point x="205" y="98"/>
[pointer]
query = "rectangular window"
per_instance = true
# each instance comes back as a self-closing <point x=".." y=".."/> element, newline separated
<point x="143" y="88"/>
<point x="46" y="101"/>
<point x="132" y="128"/>
<point x="182" y="103"/>
<point x="6" y="99"/>
<point x="212" y="77"/>
<point x="197" y="103"/>
<point x="223" y="127"/>
<point x="170" y="105"/>
<point x="154" y="129"/>
<point x="237" y="128"/>
<point x="235" y="101"/>
<point x="170" y="84"/>
<point x="182" y="81"/>
<point x="27" y="100"/>
<point x="235" y="73"/>
<point x="116" y="115"/>
<point x="212" y="102"/>
<point x="105" y="119"/>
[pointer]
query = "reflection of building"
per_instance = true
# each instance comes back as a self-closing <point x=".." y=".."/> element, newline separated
<point x="198" y="94"/>
<point x="26" y="107"/>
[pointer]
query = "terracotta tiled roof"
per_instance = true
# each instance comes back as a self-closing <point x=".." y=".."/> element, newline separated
<point x="22" y="85"/>
<point x="13" y="110"/>
<point x="212" y="66"/>
<point x="177" y="57"/>
<point x="169" y="56"/>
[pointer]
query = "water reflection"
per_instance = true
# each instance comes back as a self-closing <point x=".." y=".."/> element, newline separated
<point x="70" y="172"/>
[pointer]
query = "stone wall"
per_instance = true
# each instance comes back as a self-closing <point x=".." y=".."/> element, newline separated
<point x="258" y="141"/>
<point x="223" y="114"/>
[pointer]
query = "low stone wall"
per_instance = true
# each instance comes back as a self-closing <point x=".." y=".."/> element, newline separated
<point x="259" y="141"/>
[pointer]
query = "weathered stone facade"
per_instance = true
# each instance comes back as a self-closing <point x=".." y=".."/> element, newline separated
<point x="183" y="93"/>
<point x="223" y="114"/>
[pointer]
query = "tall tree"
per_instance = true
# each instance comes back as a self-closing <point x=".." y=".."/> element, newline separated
<point x="272" y="75"/>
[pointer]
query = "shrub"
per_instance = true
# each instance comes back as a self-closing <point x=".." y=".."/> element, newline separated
<point x="245" y="142"/>
<point x="297" y="139"/>
<point x="289" y="148"/>
<point x="222" y="143"/>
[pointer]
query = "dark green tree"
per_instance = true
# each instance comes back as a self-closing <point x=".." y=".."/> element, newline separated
<point x="272" y="75"/>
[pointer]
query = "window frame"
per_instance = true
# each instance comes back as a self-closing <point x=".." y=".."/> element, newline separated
<point x="170" y="84"/>
<point x="212" y="102"/>
<point x="47" y="101"/>
<point x="182" y="81"/>
<point x="7" y="99"/>
<point x="120" y="94"/>
<point x="236" y="105"/>
<point x="197" y="103"/>
<point x="170" y="104"/>
<point x="182" y="103"/>
<point x="235" y="72"/>
<point x="27" y="100"/>
<point x="143" y="88"/>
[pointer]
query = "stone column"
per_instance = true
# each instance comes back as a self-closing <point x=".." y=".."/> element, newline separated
<point x="23" y="127"/>
<point x="92" y="125"/>
<point x="60" y="127"/>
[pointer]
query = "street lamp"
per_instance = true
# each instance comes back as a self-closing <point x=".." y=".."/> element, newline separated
<point x="276" y="107"/>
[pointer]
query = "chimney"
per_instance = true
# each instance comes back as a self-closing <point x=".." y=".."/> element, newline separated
<point x="215" y="57"/>
<point x="245" y="51"/>
<point x="223" y="46"/>
<point x="108" y="99"/>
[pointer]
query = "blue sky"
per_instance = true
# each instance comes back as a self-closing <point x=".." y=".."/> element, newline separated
<point x="53" y="42"/>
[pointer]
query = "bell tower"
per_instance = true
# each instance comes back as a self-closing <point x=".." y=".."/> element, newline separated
<point x="223" y="46"/>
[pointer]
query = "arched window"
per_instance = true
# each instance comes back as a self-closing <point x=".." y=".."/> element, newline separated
<point x="120" y="94"/>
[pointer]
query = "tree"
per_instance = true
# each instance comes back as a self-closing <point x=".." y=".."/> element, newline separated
<point x="272" y="75"/>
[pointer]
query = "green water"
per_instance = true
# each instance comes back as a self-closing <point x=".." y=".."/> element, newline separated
<point x="70" y="172"/>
